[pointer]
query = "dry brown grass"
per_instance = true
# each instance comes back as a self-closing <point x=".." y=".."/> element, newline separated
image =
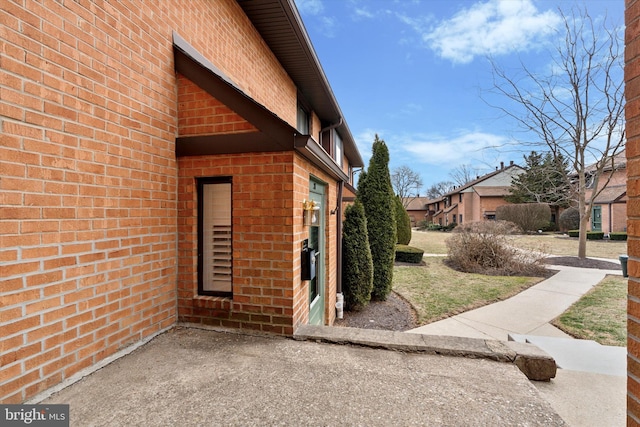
<point x="433" y="242"/>
<point x="555" y="244"/>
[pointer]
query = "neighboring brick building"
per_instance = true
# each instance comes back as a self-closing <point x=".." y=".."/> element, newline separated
<point x="632" y="114"/>
<point x="609" y="210"/>
<point x="155" y="158"/>
<point x="476" y="200"/>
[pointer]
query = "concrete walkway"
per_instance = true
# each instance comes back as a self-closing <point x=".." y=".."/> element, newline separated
<point x="590" y="385"/>
<point x="527" y="313"/>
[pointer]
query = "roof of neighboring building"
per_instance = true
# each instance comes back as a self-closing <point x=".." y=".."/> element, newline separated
<point x="492" y="191"/>
<point x="619" y="162"/>
<point x="450" y="208"/>
<point x="482" y="178"/>
<point x="417" y="203"/>
<point x="611" y="194"/>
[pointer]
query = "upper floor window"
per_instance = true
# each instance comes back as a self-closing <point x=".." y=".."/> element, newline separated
<point x="302" y="121"/>
<point x="460" y="198"/>
<point x="338" y="149"/>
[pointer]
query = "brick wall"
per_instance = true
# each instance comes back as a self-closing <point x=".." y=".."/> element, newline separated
<point x="88" y="176"/>
<point x="632" y="113"/>
<point x="267" y="194"/>
<point x="201" y="114"/>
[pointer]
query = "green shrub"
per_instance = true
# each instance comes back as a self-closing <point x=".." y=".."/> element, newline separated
<point x="357" y="266"/>
<point x="528" y="216"/>
<point x="595" y="235"/>
<point x="573" y="233"/>
<point x="432" y="226"/>
<point x="409" y="254"/>
<point x="569" y="219"/>
<point x="403" y="223"/>
<point x="376" y="193"/>
<point x="449" y="227"/>
<point x="618" y="236"/>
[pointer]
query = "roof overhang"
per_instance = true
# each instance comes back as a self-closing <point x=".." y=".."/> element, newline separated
<point x="274" y="134"/>
<point x="281" y="27"/>
<point x="312" y="151"/>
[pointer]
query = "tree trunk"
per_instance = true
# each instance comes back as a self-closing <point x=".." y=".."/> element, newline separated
<point x="582" y="238"/>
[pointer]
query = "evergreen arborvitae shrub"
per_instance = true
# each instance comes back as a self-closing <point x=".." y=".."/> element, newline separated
<point x="376" y="193"/>
<point x="357" y="266"/>
<point x="403" y="223"/>
<point x="570" y="219"/>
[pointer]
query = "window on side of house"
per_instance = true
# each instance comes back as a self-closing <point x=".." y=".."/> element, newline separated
<point x="214" y="237"/>
<point x="460" y="198"/>
<point x="302" y="123"/>
<point x="460" y="219"/>
<point x="337" y="152"/>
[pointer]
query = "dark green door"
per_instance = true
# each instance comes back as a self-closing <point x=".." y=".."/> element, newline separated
<point x="596" y="218"/>
<point x="316" y="241"/>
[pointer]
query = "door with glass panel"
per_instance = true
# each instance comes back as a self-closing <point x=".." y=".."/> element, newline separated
<point x="316" y="242"/>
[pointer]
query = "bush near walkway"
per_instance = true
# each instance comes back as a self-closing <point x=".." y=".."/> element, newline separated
<point x="376" y="193"/>
<point x="485" y="248"/>
<point x="357" y="266"/>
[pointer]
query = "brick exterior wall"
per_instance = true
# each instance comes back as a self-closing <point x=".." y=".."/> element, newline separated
<point x="201" y="114"/>
<point x="632" y="112"/>
<point x="89" y="183"/>
<point x="268" y="190"/>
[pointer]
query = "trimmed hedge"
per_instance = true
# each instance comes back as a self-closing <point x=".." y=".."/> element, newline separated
<point x="573" y="233"/>
<point x="357" y="265"/>
<point x="409" y="254"/>
<point x="618" y="236"/>
<point x="595" y="235"/>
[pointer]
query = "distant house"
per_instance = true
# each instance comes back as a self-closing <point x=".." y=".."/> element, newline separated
<point x="417" y="208"/>
<point x="609" y="210"/>
<point x="476" y="200"/>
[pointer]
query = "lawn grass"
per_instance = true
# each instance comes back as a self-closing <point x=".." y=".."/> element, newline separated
<point x="600" y="315"/>
<point x="555" y="244"/>
<point x="437" y="291"/>
<point x="433" y="242"/>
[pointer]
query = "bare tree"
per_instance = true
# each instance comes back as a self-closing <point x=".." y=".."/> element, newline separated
<point x="439" y="189"/>
<point x="578" y="109"/>
<point x="464" y="174"/>
<point x="406" y="183"/>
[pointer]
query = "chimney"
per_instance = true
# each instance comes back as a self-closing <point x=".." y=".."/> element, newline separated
<point x="511" y="163"/>
<point x="501" y="165"/>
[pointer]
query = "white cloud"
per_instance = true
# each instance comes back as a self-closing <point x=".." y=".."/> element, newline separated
<point x="461" y="149"/>
<point x="310" y="7"/>
<point x="494" y="27"/>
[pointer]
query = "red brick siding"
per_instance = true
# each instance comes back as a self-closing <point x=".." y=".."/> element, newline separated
<point x="632" y="110"/>
<point x="201" y="114"/>
<point x="88" y="188"/>
<point x="267" y="194"/>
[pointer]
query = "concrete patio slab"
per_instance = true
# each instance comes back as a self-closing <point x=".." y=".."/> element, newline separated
<point x="191" y="377"/>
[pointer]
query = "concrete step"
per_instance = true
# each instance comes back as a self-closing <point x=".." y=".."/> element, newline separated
<point x="580" y="355"/>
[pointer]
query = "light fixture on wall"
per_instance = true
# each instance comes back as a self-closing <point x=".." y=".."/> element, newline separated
<point x="310" y="213"/>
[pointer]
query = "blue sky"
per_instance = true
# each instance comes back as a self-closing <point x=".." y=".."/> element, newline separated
<point x="416" y="72"/>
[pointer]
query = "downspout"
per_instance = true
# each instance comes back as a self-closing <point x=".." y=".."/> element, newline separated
<point x="339" y="295"/>
<point x="333" y="126"/>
